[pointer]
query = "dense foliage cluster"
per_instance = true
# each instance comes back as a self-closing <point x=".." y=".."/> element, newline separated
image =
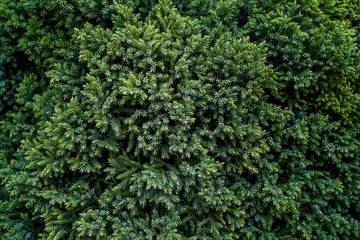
<point x="179" y="119"/>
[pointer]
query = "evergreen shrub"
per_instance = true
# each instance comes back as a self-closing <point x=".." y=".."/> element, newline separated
<point x="179" y="119"/>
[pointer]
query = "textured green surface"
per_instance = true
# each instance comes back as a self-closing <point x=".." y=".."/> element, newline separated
<point x="183" y="119"/>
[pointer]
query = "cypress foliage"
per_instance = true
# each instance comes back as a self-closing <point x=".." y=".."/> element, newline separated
<point x="192" y="119"/>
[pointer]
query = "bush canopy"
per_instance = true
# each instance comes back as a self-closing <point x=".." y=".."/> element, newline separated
<point x="179" y="119"/>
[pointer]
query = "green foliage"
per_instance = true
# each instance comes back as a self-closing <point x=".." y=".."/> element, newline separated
<point x="191" y="119"/>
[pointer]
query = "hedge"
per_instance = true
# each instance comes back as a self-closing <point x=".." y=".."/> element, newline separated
<point x="179" y="119"/>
